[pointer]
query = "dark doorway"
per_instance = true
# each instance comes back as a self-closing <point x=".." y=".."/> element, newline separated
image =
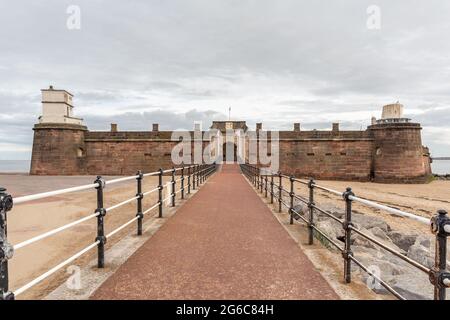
<point x="229" y="152"/>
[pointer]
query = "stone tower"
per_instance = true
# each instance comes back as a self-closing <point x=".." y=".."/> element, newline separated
<point x="58" y="145"/>
<point x="398" y="151"/>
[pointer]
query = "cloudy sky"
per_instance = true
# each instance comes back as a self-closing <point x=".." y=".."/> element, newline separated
<point x="175" y="61"/>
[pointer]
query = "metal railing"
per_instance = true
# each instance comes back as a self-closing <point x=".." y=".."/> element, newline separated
<point x="266" y="183"/>
<point x="194" y="174"/>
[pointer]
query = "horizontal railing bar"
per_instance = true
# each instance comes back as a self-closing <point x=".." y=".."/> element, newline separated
<point x="328" y="214"/>
<point x="300" y="216"/>
<point x="151" y="174"/>
<point x="53" y="193"/>
<point x="148" y="192"/>
<point x="391" y="210"/>
<point x="151" y="208"/>
<point x="121" y="203"/>
<point x="114" y="181"/>
<point x="327" y="189"/>
<point x="285" y="204"/>
<point x="54" y="269"/>
<point x="395" y="253"/>
<point x="121" y="227"/>
<point x="52" y="232"/>
<point x="301" y="181"/>
<point x="328" y="238"/>
<point x="384" y="284"/>
<point x="301" y="199"/>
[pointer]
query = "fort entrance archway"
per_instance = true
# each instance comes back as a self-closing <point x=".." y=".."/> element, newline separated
<point x="229" y="152"/>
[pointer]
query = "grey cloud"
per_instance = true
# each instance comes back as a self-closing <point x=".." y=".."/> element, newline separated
<point x="143" y="121"/>
<point x="142" y="60"/>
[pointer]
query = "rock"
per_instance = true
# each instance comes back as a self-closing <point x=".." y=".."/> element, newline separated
<point x="424" y="240"/>
<point x="378" y="232"/>
<point x="379" y="235"/>
<point x="301" y="209"/>
<point x="369" y="222"/>
<point x="331" y="228"/>
<point x="335" y="211"/>
<point x="412" y="285"/>
<point x="421" y="254"/>
<point x="402" y="240"/>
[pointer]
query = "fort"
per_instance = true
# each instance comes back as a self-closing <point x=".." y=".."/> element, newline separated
<point x="390" y="150"/>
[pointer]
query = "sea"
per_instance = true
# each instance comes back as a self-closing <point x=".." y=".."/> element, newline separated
<point x="23" y="166"/>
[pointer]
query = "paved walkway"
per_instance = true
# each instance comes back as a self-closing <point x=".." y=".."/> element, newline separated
<point x="224" y="243"/>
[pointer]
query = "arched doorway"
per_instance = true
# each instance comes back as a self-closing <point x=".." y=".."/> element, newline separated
<point x="229" y="152"/>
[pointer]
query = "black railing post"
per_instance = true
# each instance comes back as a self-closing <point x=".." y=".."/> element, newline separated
<point x="439" y="277"/>
<point x="100" y="222"/>
<point x="189" y="180"/>
<point x="194" y="170"/>
<point x="271" y="188"/>
<point x="291" y="195"/>
<point x="173" y="187"/>
<point x="280" y="191"/>
<point x="265" y="187"/>
<point x="160" y="193"/>
<point x="140" y="196"/>
<point x="311" y="212"/>
<point x="198" y="175"/>
<point x="347" y="254"/>
<point x="260" y="183"/>
<point x="202" y="173"/>
<point x="6" y="250"/>
<point x="252" y="175"/>
<point x="182" y="182"/>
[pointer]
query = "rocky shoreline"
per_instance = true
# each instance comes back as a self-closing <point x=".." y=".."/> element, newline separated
<point x="409" y="281"/>
<point x="445" y="177"/>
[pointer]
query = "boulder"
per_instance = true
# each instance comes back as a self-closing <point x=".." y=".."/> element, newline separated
<point x="421" y="254"/>
<point x="424" y="240"/>
<point x="331" y="228"/>
<point x="335" y="211"/>
<point x="412" y="285"/>
<point x="301" y="209"/>
<point x="369" y="222"/>
<point x="403" y="240"/>
<point x="377" y="234"/>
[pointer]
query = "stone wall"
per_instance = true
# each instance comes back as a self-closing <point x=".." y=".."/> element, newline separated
<point x="383" y="152"/>
<point x="58" y="150"/>
<point x="399" y="154"/>
<point x="327" y="159"/>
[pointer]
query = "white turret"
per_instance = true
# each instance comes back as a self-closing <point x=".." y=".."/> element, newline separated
<point x="57" y="107"/>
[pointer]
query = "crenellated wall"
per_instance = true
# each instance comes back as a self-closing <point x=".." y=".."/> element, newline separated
<point x="386" y="152"/>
